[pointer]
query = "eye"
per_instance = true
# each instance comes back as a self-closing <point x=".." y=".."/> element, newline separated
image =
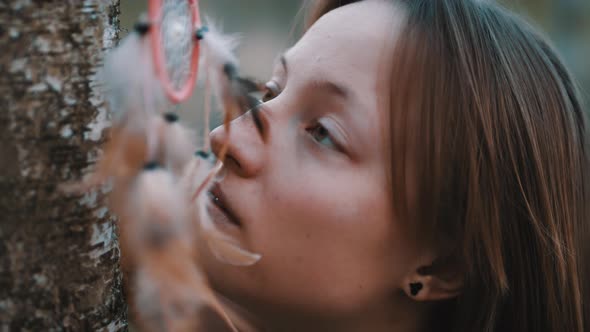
<point x="322" y="136"/>
<point x="272" y="90"/>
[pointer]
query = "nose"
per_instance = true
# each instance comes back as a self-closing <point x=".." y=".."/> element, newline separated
<point x="245" y="154"/>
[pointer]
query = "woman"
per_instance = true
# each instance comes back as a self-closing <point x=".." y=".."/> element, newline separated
<point x="422" y="168"/>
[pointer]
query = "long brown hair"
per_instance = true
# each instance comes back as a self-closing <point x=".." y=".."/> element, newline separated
<point x="489" y="154"/>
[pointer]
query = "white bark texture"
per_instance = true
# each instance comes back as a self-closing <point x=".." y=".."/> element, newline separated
<point x="59" y="256"/>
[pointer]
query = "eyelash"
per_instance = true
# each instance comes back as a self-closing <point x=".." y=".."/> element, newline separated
<point x="272" y="90"/>
<point x="323" y="131"/>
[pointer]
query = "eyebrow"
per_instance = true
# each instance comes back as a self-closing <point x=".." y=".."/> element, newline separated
<point x="329" y="86"/>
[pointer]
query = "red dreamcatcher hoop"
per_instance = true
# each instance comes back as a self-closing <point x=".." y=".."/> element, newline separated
<point x="175" y="94"/>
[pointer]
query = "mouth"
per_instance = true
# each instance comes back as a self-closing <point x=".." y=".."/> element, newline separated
<point x="219" y="210"/>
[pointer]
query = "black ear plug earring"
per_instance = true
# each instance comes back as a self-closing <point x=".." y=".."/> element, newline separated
<point x="415" y="288"/>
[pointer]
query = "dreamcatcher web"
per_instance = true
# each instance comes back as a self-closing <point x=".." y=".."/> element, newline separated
<point x="177" y="40"/>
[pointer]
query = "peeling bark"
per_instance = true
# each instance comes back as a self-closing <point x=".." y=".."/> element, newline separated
<point x="59" y="255"/>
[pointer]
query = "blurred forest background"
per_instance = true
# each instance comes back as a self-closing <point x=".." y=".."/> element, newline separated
<point x="268" y="27"/>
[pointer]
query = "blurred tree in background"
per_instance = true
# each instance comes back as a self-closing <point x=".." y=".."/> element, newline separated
<point x="59" y="258"/>
<point x="567" y="23"/>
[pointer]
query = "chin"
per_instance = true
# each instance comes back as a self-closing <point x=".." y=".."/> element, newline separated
<point x="226" y="279"/>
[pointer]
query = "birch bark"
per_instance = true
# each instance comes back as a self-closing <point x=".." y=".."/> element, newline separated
<point x="59" y="256"/>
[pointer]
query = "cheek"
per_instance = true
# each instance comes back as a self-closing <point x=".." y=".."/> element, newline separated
<point x="328" y="240"/>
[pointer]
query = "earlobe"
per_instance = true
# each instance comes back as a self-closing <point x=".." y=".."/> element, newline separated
<point x="433" y="288"/>
<point x="433" y="284"/>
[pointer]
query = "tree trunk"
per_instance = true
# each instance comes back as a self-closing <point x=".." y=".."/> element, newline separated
<point x="59" y="256"/>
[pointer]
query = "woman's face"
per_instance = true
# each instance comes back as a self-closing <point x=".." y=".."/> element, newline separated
<point x="313" y="195"/>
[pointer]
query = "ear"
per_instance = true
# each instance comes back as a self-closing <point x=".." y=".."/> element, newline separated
<point x="434" y="281"/>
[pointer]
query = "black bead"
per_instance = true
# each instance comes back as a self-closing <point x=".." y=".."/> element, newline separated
<point x="230" y="70"/>
<point x="200" y="34"/>
<point x="151" y="166"/>
<point x="202" y="154"/>
<point x="171" y="117"/>
<point x="415" y="288"/>
<point x="142" y="28"/>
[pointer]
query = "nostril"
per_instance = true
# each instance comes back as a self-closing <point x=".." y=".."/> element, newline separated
<point x="243" y="155"/>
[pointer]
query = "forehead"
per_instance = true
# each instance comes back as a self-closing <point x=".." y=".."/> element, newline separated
<point x="352" y="47"/>
<point x="349" y="44"/>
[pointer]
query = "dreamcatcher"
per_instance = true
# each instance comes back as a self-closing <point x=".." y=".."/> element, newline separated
<point x="160" y="183"/>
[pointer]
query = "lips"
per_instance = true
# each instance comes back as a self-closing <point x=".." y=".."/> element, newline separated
<point x="220" y="209"/>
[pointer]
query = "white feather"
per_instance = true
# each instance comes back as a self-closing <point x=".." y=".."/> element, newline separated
<point x="217" y="51"/>
<point x="230" y="253"/>
<point x="178" y="147"/>
<point x="157" y="204"/>
<point x="169" y="143"/>
<point x="166" y="301"/>
<point x="130" y="83"/>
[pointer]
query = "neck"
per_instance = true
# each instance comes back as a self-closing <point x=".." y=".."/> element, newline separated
<point x="397" y="316"/>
